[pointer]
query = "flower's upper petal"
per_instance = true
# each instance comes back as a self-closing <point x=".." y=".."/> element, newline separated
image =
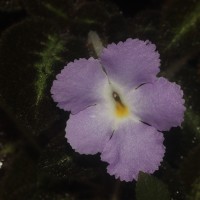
<point x="89" y="130"/>
<point x="134" y="147"/>
<point x="159" y="104"/>
<point x="79" y="85"/>
<point x="131" y="63"/>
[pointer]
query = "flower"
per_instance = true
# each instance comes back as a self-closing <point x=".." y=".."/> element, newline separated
<point x="118" y="107"/>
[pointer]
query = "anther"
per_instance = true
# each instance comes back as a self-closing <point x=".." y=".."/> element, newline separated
<point x="117" y="98"/>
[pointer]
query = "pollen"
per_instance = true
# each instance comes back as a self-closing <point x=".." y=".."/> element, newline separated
<point x="121" y="110"/>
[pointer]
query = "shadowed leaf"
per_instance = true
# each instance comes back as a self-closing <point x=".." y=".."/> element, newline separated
<point x="29" y="52"/>
<point x="149" y="187"/>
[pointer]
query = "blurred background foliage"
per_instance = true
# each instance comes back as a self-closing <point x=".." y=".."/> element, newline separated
<point x="37" y="38"/>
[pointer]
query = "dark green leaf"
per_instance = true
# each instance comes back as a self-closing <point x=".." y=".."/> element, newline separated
<point x="30" y="53"/>
<point x="184" y="19"/>
<point x="20" y="178"/>
<point x="190" y="168"/>
<point x="195" y="193"/>
<point x="151" y="188"/>
<point x="92" y="16"/>
<point x="10" y="5"/>
<point x="55" y="10"/>
<point x="59" y="161"/>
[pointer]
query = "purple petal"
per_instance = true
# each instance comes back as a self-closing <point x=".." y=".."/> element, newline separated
<point x="134" y="147"/>
<point x="79" y="85"/>
<point x="89" y="130"/>
<point x="131" y="63"/>
<point x="159" y="104"/>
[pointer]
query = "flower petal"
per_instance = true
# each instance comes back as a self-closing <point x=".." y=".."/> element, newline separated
<point x="89" y="130"/>
<point x="79" y="85"/>
<point x="131" y="63"/>
<point x="134" y="147"/>
<point x="159" y="104"/>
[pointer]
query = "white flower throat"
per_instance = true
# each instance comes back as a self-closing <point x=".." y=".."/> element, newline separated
<point x="116" y="104"/>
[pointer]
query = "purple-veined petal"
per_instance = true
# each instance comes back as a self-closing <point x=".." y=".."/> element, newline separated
<point x="134" y="147"/>
<point x="159" y="104"/>
<point x="89" y="130"/>
<point x="79" y="85"/>
<point x="131" y="63"/>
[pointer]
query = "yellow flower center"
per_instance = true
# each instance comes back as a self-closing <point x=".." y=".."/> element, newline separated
<point x="121" y="110"/>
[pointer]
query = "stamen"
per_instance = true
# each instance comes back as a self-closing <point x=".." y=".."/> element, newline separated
<point x="120" y="109"/>
<point x="116" y="97"/>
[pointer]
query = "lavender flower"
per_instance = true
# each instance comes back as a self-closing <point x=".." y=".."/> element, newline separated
<point x="118" y="107"/>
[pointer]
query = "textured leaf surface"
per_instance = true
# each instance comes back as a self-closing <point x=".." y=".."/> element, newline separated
<point x="27" y="66"/>
<point x="149" y="187"/>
